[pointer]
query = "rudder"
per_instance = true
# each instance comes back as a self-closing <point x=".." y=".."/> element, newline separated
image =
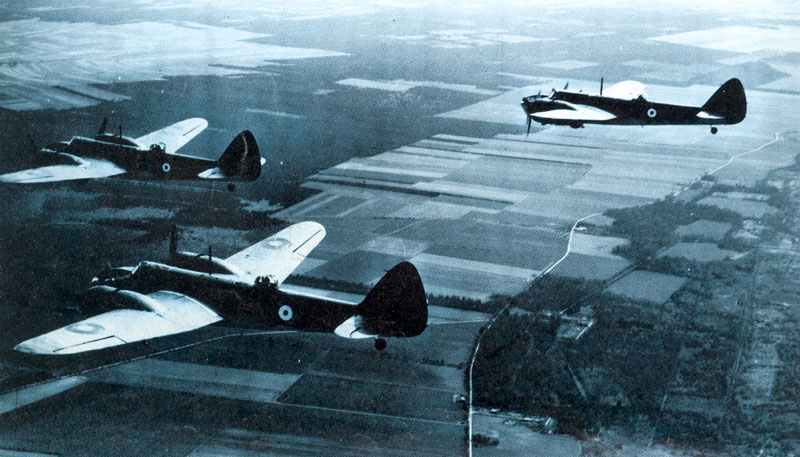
<point x="729" y="101"/>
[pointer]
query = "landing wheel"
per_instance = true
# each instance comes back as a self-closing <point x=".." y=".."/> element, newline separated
<point x="714" y="130"/>
<point x="380" y="344"/>
<point x="231" y="187"/>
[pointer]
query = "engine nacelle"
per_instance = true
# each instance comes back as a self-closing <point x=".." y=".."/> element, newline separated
<point x="105" y="298"/>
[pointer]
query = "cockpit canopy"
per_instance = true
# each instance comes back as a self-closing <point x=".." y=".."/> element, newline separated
<point x="626" y="90"/>
<point x="117" y="139"/>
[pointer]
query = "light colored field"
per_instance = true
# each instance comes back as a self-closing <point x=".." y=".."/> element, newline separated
<point x="747" y="208"/>
<point x="26" y="396"/>
<point x="704" y="229"/>
<point x="435" y="210"/>
<point x="594" y="245"/>
<point x="567" y="64"/>
<point x="739" y="38"/>
<point x="353" y="165"/>
<point x="520" y="175"/>
<point x="448" y="280"/>
<point x="395" y="246"/>
<point x="580" y="266"/>
<point x="458" y="189"/>
<point x="465" y="38"/>
<point x="420" y="160"/>
<point x="790" y="83"/>
<point x="504" y="270"/>
<point x="647" y="286"/>
<point x="401" y="85"/>
<point x="701" y="252"/>
<point x="34" y="45"/>
<point x="364" y="267"/>
<point x="273" y="113"/>
<point x="199" y="379"/>
<point x="662" y="71"/>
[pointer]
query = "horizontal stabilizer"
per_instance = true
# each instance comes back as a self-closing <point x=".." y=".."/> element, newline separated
<point x="353" y="329"/>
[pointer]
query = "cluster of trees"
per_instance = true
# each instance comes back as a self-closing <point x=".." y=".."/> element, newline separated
<point x="512" y="369"/>
<point x="652" y="227"/>
<point x="555" y="293"/>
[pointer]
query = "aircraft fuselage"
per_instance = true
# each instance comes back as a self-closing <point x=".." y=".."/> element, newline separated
<point x="260" y="305"/>
<point x="137" y="160"/>
<point x="638" y="111"/>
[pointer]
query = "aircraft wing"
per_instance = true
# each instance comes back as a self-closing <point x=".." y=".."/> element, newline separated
<point x="172" y="313"/>
<point x="176" y="135"/>
<point x="277" y="256"/>
<point x="84" y="168"/>
<point x="578" y="113"/>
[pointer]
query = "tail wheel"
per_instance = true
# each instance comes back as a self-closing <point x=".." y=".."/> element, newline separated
<point x="714" y="130"/>
<point x="285" y="313"/>
<point x="166" y="167"/>
<point x="380" y="344"/>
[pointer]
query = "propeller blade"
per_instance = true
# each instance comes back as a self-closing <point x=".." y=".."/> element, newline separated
<point x="529" y="126"/>
<point x="566" y="86"/>
<point x="103" y="126"/>
<point x="32" y="143"/>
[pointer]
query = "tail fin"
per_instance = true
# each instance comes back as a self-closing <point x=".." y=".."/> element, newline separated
<point x="397" y="305"/>
<point x="242" y="158"/>
<point x="728" y="101"/>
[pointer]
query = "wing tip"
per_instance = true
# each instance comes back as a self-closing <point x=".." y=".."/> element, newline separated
<point x="35" y="346"/>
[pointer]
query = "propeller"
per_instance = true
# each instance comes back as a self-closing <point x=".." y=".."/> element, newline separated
<point x="529" y="126"/>
<point x="32" y="143"/>
<point x="173" y="241"/>
<point x="103" y="126"/>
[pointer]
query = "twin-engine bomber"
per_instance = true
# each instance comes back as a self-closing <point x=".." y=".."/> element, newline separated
<point x="624" y="103"/>
<point x="192" y="290"/>
<point x="152" y="156"/>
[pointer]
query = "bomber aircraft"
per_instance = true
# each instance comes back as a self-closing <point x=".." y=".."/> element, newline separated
<point x="191" y="291"/>
<point x="154" y="155"/>
<point x="624" y="103"/>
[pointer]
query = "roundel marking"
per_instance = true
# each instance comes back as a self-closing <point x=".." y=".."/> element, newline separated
<point x="166" y="167"/>
<point x="651" y="113"/>
<point x="277" y="243"/>
<point x="85" y="328"/>
<point x="286" y="313"/>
